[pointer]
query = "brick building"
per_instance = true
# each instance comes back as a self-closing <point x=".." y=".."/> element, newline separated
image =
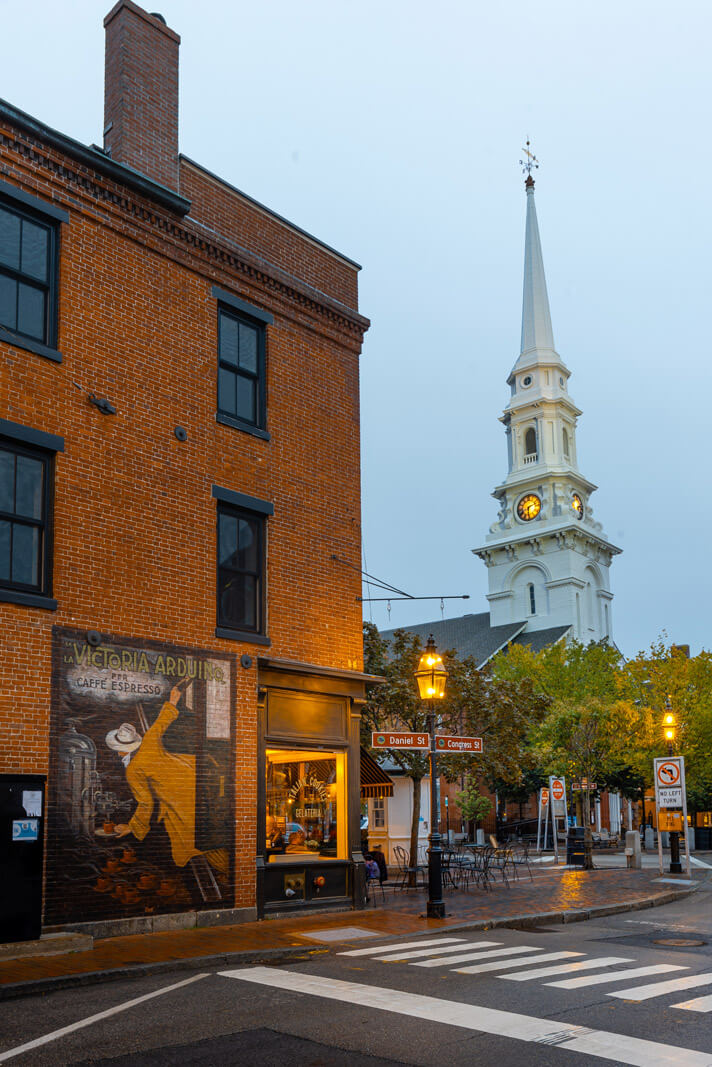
<point x="180" y="639"/>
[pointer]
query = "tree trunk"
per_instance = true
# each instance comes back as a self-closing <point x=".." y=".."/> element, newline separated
<point x="414" y="828"/>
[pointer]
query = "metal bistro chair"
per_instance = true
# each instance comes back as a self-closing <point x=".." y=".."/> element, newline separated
<point x="405" y="870"/>
<point x="480" y="867"/>
<point x="520" y="858"/>
<point x="373" y="883"/>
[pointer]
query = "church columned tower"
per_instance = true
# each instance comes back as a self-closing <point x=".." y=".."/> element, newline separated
<point x="548" y="559"/>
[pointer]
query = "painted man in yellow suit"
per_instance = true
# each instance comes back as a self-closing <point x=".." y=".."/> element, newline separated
<point x="167" y="779"/>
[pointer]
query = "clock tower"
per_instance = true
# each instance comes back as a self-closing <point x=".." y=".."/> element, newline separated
<point x="548" y="559"/>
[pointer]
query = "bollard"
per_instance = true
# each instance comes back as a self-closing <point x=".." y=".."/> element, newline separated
<point x="632" y="850"/>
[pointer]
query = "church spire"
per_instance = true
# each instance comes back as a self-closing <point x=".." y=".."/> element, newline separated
<point x="537" y="334"/>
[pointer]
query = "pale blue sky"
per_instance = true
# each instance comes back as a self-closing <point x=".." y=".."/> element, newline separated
<point x="392" y="131"/>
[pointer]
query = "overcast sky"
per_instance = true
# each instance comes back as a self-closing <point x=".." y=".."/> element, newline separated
<point x="393" y="131"/>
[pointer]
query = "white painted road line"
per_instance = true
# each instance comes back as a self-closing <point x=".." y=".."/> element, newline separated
<point x="657" y="989"/>
<point x="521" y="961"/>
<point x="478" y="955"/>
<point x="615" y="976"/>
<point x="700" y="1004"/>
<point x="9" y="1053"/>
<point x="601" y="1043"/>
<point x="567" y="968"/>
<point x="408" y="944"/>
<point x="700" y="863"/>
<point x="396" y="957"/>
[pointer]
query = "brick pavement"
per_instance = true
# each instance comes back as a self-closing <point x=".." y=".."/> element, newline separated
<point x="553" y="895"/>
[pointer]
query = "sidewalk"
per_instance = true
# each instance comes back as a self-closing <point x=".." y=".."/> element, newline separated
<point x="554" y="895"/>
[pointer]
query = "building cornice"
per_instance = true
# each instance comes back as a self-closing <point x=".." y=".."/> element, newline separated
<point x="92" y="177"/>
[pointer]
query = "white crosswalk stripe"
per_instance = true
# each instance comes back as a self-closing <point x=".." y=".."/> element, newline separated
<point x="615" y="976"/>
<point x="699" y="1004"/>
<point x="657" y="989"/>
<point x="371" y="951"/>
<point x="568" y="1036"/>
<point x="566" y="968"/>
<point x="522" y="961"/>
<point x="468" y="956"/>
<point x="396" y="957"/>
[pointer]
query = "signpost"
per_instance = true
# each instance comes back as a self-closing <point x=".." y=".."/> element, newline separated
<point x="557" y="788"/>
<point x="671" y="802"/>
<point x="543" y="811"/>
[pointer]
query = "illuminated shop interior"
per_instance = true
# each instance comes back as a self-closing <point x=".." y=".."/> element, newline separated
<point x="305" y="805"/>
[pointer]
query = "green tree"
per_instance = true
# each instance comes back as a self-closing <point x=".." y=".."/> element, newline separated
<point x="396" y="705"/>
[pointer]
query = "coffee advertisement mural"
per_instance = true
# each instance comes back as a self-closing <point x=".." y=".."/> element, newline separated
<point x="141" y="801"/>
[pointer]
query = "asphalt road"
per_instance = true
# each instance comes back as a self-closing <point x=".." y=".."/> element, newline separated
<point x="358" y="1009"/>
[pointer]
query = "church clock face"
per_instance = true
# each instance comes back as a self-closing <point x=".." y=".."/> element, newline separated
<point x="528" y="507"/>
<point x="577" y="505"/>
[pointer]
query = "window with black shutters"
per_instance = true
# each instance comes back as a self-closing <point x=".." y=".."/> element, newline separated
<point x="241" y="345"/>
<point x="28" y="275"/>
<point x="24" y="519"/>
<point x="240" y="569"/>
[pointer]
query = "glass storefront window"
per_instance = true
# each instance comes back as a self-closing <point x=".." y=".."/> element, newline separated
<point x="306" y="805"/>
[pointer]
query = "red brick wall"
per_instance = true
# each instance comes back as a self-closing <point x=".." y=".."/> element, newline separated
<point x="134" y="547"/>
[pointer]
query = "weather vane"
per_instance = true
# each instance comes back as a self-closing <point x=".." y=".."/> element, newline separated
<point x="530" y="163"/>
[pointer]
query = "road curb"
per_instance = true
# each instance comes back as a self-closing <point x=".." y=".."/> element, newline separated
<point x="273" y="956"/>
<point x="303" y="952"/>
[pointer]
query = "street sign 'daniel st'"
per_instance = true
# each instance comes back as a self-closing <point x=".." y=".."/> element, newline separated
<point x="408" y="741"/>
<point x="444" y="743"/>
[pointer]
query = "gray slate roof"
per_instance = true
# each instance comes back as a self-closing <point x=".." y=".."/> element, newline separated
<point x="472" y="635"/>
<point x="539" y="639"/>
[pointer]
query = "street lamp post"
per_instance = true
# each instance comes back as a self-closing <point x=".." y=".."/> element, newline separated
<point x="669" y="726"/>
<point x="431" y="676"/>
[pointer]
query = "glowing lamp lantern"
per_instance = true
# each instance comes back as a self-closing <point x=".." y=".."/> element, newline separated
<point x="669" y="723"/>
<point x="431" y="674"/>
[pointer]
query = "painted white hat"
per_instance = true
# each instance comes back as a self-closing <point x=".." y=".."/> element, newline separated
<point x="125" y="739"/>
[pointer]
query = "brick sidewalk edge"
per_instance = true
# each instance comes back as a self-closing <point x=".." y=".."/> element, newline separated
<point x="304" y="952"/>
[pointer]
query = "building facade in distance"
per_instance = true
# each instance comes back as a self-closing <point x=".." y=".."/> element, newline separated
<point x="180" y="637"/>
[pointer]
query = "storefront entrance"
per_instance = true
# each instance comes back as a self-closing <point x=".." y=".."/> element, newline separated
<point x="309" y="844"/>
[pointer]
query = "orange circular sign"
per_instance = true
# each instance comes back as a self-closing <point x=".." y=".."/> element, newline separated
<point x="668" y="773"/>
<point x="557" y="789"/>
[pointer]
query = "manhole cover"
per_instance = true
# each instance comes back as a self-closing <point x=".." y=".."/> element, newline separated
<point x="679" y="942"/>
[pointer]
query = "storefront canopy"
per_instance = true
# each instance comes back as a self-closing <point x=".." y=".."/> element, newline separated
<point x="374" y="781"/>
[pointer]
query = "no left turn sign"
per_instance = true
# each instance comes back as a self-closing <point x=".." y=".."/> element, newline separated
<point x="668" y="773"/>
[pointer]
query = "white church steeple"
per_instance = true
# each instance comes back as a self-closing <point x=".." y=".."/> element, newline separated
<point x="537" y="334"/>
<point x="547" y="558"/>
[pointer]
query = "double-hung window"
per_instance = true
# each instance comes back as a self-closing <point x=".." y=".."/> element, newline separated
<point x="241" y="363"/>
<point x="28" y="275"/>
<point x="25" y="514"/>
<point x="241" y="522"/>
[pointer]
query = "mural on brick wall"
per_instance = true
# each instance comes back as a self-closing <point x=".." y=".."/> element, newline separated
<point x="140" y="791"/>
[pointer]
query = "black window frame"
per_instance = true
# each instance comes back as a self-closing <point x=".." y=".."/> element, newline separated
<point x="258" y="319"/>
<point x="257" y="378"/>
<point x="23" y="208"/>
<point x="39" y="594"/>
<point x="239" y="505"/>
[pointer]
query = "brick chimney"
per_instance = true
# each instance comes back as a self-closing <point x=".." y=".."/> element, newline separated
<point x="141" y="92"/>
